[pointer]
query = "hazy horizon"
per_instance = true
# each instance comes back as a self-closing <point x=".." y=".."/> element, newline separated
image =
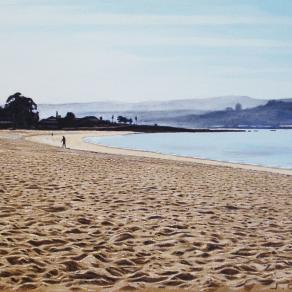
<point x="2" y="102"/>
<point x="135" y="51"/>
<point x="149" y="100"/>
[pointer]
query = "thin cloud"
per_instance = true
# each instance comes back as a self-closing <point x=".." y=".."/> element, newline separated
<point x="60" y="15"/>
<point x="116" y="40"/>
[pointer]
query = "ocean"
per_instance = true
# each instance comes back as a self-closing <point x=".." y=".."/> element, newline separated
<point x="270" y="148"/>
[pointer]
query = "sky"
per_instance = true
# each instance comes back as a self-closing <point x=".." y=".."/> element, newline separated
<point x="58" y="51"/>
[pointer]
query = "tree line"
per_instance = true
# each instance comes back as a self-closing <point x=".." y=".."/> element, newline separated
<point x="21" y="112"/>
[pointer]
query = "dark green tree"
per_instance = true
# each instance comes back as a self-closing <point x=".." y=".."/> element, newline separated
<point x="70" y="116"/>
<point x="68" y="121"/>
<point x="122" y="119"/>
<point x="22" y="111"/>
<point x="2" y="114"/>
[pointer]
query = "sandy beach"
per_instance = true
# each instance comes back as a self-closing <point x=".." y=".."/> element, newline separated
<point x="118" y="220"/>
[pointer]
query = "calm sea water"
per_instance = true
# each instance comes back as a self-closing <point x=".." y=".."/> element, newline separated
<point x="262" y="147"/>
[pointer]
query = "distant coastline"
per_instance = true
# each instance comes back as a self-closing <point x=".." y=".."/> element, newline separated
<point x="22" y="112"/>
<point x="150" y="129"/>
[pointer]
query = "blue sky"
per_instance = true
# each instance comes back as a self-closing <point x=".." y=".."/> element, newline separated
<point x="86" y="50"/>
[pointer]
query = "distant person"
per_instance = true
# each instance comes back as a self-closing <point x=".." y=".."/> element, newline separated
<point x="63" y="142"/>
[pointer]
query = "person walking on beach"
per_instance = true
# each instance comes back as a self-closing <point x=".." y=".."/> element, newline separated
<point x="63" y="142"/>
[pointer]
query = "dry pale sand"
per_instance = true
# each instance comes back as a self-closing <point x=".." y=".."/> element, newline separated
<point x="71" y="219"/>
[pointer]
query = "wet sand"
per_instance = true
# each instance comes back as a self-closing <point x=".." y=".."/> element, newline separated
<point x="77" y="220"/>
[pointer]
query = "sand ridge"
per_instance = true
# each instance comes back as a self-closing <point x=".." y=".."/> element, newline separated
<point x="112" y="222"/>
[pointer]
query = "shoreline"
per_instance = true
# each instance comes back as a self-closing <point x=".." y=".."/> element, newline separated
<point x="75" y="141"/>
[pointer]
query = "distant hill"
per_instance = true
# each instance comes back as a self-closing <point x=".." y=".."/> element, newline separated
<point x="158" y="109"/>
<point x="273" y="114"/>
